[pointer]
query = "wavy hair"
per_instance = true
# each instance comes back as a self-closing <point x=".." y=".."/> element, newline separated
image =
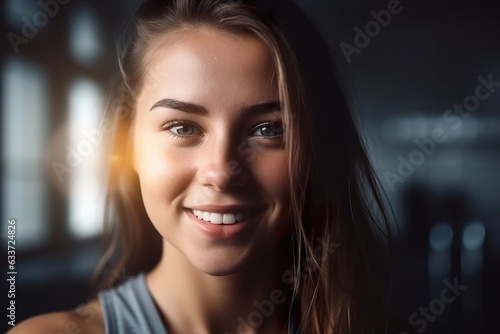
<point x="334" y="194"/>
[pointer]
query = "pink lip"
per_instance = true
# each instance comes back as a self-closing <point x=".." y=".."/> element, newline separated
<point x="221" y="232"/>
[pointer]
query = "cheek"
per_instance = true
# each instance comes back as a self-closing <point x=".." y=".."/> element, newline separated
<point x="273" y="176"/>
<point x="163" y="175"/>
<point x="272" y="172"/>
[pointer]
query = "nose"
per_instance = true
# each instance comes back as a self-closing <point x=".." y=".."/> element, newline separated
<point x="220" y="165"/>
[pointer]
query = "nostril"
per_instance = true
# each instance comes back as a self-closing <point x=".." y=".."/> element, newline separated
<point x="220" y="172"/>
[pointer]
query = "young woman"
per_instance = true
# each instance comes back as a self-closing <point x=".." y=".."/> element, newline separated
<point x="240" y="198"/>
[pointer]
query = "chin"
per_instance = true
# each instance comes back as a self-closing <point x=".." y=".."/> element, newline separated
<point x="220" y="272"/>
<point x="217" y="264"/>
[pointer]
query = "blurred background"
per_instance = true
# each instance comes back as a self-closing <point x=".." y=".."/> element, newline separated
<point x="426" y="80"/>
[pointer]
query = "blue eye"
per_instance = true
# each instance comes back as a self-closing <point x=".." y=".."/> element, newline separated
<point x="268" y="129"/>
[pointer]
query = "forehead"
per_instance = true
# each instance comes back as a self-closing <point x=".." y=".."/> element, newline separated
<point x="208" y="60"/>
<point x="198" y="43"/>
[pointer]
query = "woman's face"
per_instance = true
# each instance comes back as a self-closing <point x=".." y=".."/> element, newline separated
<point x="209" y="150"/>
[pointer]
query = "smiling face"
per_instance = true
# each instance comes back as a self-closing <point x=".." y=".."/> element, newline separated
<point x="209" y="150"/>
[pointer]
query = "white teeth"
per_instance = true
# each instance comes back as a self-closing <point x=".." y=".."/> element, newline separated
<point x="205" y="216"/>
<point x="216" y="218"/>
<point x="229" y="218"/>
<point x="219" y="218"/>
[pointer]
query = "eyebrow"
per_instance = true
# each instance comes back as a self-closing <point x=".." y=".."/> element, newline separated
<point x="179" y="105"/>
<point x="191" y="108"/>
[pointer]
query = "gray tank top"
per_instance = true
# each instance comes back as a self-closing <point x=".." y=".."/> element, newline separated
<point x="130" y="309"/>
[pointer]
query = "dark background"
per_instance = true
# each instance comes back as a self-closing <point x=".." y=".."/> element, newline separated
<point x="426" y="59"/>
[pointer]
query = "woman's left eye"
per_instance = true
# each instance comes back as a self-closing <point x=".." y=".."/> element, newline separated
<point x="268" y="129"/>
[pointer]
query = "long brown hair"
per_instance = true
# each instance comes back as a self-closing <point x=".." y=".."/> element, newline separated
<point x="334" y="195"/>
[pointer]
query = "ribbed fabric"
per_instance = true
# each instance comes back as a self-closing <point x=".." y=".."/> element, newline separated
<point x="129" y="309"/>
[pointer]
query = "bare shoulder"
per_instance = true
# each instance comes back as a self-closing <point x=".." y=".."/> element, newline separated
<point x="86" y="318"/>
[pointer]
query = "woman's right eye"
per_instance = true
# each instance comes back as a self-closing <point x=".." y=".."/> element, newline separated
<point x="181" y="129"/>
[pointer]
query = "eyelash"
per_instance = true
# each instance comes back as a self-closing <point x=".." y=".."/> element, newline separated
<point x="170" y="124"/>
<point x="273" y="125"/>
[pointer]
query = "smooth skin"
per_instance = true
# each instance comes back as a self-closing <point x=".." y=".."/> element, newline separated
<point x="208" y="136"/>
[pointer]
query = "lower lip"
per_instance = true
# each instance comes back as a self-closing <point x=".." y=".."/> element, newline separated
<point x="221" y="231"/>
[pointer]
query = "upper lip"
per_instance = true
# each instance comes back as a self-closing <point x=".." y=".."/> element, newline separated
<point x="231" y="208"/>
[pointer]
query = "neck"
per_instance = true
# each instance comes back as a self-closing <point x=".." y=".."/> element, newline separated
<point x="251" y="301"/>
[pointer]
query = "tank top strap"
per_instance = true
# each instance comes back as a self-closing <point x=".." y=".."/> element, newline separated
<point x="130" y="309"/>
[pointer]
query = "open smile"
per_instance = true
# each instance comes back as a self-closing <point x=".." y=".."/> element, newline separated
<point x="224" y="222"/>
<point x="220" y="218"/>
